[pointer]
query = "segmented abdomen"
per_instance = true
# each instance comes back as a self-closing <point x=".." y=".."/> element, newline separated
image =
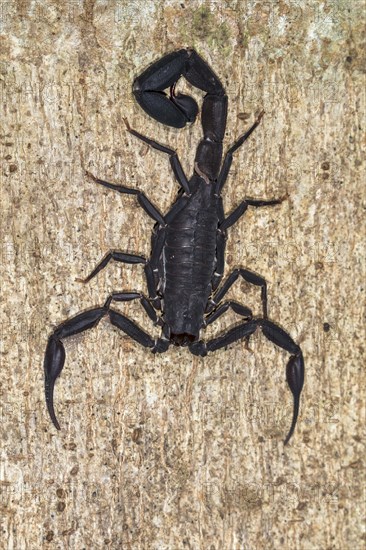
<point x="189" y="259"/>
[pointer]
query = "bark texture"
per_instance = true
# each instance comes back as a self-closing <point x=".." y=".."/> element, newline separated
<point x="172" y="451"/>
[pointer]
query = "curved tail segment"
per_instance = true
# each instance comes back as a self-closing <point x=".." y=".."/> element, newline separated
<point x="148" y="88"/>
<point x="179" y="110"/>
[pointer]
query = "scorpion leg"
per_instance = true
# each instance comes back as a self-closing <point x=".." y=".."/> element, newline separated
<point x="173" y="157"/>
<point x="128" y="296"/>
<point x="274" y="333"/>
<point x="54" y="359"/>
<point x="249" y="277"/>
<point x="229" y="155"/>
<point x="146" y="204"/>
<point x="118" y="257"/>
<point x="237" y="308"/>
<point x="241" y="209"/>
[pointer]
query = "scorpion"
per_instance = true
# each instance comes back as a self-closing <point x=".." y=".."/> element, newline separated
<point x="185" y="268"/>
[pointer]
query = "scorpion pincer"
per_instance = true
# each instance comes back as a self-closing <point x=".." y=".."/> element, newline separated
<point x="185" y="268"/>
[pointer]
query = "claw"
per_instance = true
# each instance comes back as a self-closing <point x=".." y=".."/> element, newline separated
<point x="295" y="380"/>
<point x="53" y="364"/>
<point x="295" y="366"/>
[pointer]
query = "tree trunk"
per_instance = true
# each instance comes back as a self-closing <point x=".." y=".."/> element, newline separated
<point x="172" y="451"/>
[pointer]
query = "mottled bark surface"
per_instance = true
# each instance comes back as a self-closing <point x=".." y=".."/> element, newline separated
<point x="173" y="451"/>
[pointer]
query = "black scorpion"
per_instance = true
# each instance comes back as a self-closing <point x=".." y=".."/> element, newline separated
<point x="186" y="264"/>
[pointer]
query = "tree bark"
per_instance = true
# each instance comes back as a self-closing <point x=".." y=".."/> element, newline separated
<point x="173" y="451"/>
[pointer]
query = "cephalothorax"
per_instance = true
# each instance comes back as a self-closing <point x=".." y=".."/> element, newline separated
<point x="186" y="264"/>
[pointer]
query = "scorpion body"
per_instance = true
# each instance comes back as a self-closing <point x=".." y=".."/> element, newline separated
<point x="186" y="264"/>
<point x="189" y="261"/>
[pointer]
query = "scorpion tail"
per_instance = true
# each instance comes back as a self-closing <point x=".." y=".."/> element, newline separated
<point x="148" y="88"/>
<point x="53" y="364"/>
<point x="177" y="110"/>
